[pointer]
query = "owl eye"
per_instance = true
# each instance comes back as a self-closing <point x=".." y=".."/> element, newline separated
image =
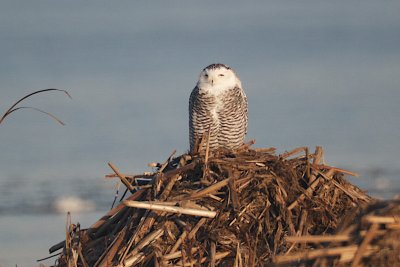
<point x="205" y="75"/>
<point x="221" y="75"/>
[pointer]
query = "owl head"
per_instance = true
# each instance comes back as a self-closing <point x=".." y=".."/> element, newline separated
<point x="217" y="78"/>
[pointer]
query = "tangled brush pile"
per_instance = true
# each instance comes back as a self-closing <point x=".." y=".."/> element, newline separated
<point x="228" y="208"/>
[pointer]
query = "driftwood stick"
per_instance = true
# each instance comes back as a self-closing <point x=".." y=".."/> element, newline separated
<point x="317" y="238"/>
<point x="207" y="190"/>
<point x="352" y="194"/>
<point x="122" y="177"/>
<point x="318" y="154"/>
<point x="265" y="150"/>
<point x="105" y="227"/>
<point x="148" y="223"/>
<point x="393" y="226"/>
<point x="213" y="252"/>
<point x="364" y="244"/>
<point x="111" y="250"/>
<point x="167" y="190"/>
<point x="238" y="257"/>
<point x="121" y="222"/>
<point x="179" y="241"/>
<point x="113" y="211"/>
<point x="138" y="230"/>
<point x="312" y="254"/>
<point x="144" y="242"/>
<point x="182" y="169"/>
<point x="112" y="215"/>
<point x="167" y="208"/>
<point x="233" y="193"/>
<point x="188" y="235"/>
<point x="293" y="152"/>
<point x="196" y="228"/>
<point x="309" y="190"/>
<point x="326" y="167"/>
<point x="57" y="246"/>
<point x="177" y="254"/>
<point x="218" y="256"/>
<point x="165" y="164"/>
<point x="381" y="219"/>
<point x="308" y="169"/>
<point x="246" y="145"/>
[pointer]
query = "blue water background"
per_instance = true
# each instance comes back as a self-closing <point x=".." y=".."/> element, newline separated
<point x="315" y="73"/>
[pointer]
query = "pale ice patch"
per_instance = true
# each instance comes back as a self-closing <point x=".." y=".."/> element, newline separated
<point x="73" y="204"/>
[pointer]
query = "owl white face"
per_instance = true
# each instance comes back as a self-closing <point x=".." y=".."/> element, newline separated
<point x="217" y="78"/>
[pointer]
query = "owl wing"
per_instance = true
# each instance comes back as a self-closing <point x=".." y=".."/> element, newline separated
<point x="233" y="118"/>
<point x="201" y="119"/>
<point x="195" y="110"/>
<point x="245" y="108"/>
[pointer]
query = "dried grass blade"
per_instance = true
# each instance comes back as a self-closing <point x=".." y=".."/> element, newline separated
<point x="41" y="111"/>
<point x="13" y="107"/>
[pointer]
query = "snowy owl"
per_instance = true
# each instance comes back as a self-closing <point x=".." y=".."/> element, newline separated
<point x="218" y="103"/>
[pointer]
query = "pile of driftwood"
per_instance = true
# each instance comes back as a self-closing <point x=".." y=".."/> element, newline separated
<point x="248" y="207"/>
<point x="371" y="238"/>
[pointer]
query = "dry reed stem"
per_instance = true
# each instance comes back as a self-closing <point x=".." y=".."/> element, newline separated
<point x="106" y="259"/>
<point x="381" y="219"/>
<point x="196" y="228"/>
<point x="149" y="221"/>
<point x="132" y="239"/>
<point x="265" y="150"/>
<point x="218" y="256"/>
<point x="14" y="107"/>
<point x="310" y="189"/>
<point x="293" y="152"/>
<point x="352" y="194"/>
<point x="122" y="177"/>
<point x="317" y="238"/>
<point x="364" y="244"/>
<point x="213" y="252"/>
<point x="152" y="237"/>
<point x="179" y="241"/>
<point x="321" y="166"/>
<point x="176" y="255"/>
<point x="189" y="235"/>
<point x="115" y="210"/>
<point x="317" y="253"/>
<point x="83" y="260"/>
<point x="158" y="206"/>
<point x="393" y="226"/>
<point x="238" y="257"/>
<point x="208" y="190"/>
<point x="165" y="164"/>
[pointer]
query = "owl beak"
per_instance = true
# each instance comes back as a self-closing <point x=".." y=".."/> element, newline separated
<point x="212" y="81"/>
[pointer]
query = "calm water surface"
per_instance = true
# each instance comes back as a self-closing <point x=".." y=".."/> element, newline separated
<point x="315" y="74"/>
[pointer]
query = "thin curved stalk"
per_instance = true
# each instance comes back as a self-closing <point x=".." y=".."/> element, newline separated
<point x="14" y="108"/>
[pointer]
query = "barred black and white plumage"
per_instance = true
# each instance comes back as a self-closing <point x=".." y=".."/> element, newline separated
<point x="218" y="103"/>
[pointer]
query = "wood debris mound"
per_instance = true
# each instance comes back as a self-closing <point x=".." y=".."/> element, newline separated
<point x="226" y="208"/>
<point x="371" y="238"/>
